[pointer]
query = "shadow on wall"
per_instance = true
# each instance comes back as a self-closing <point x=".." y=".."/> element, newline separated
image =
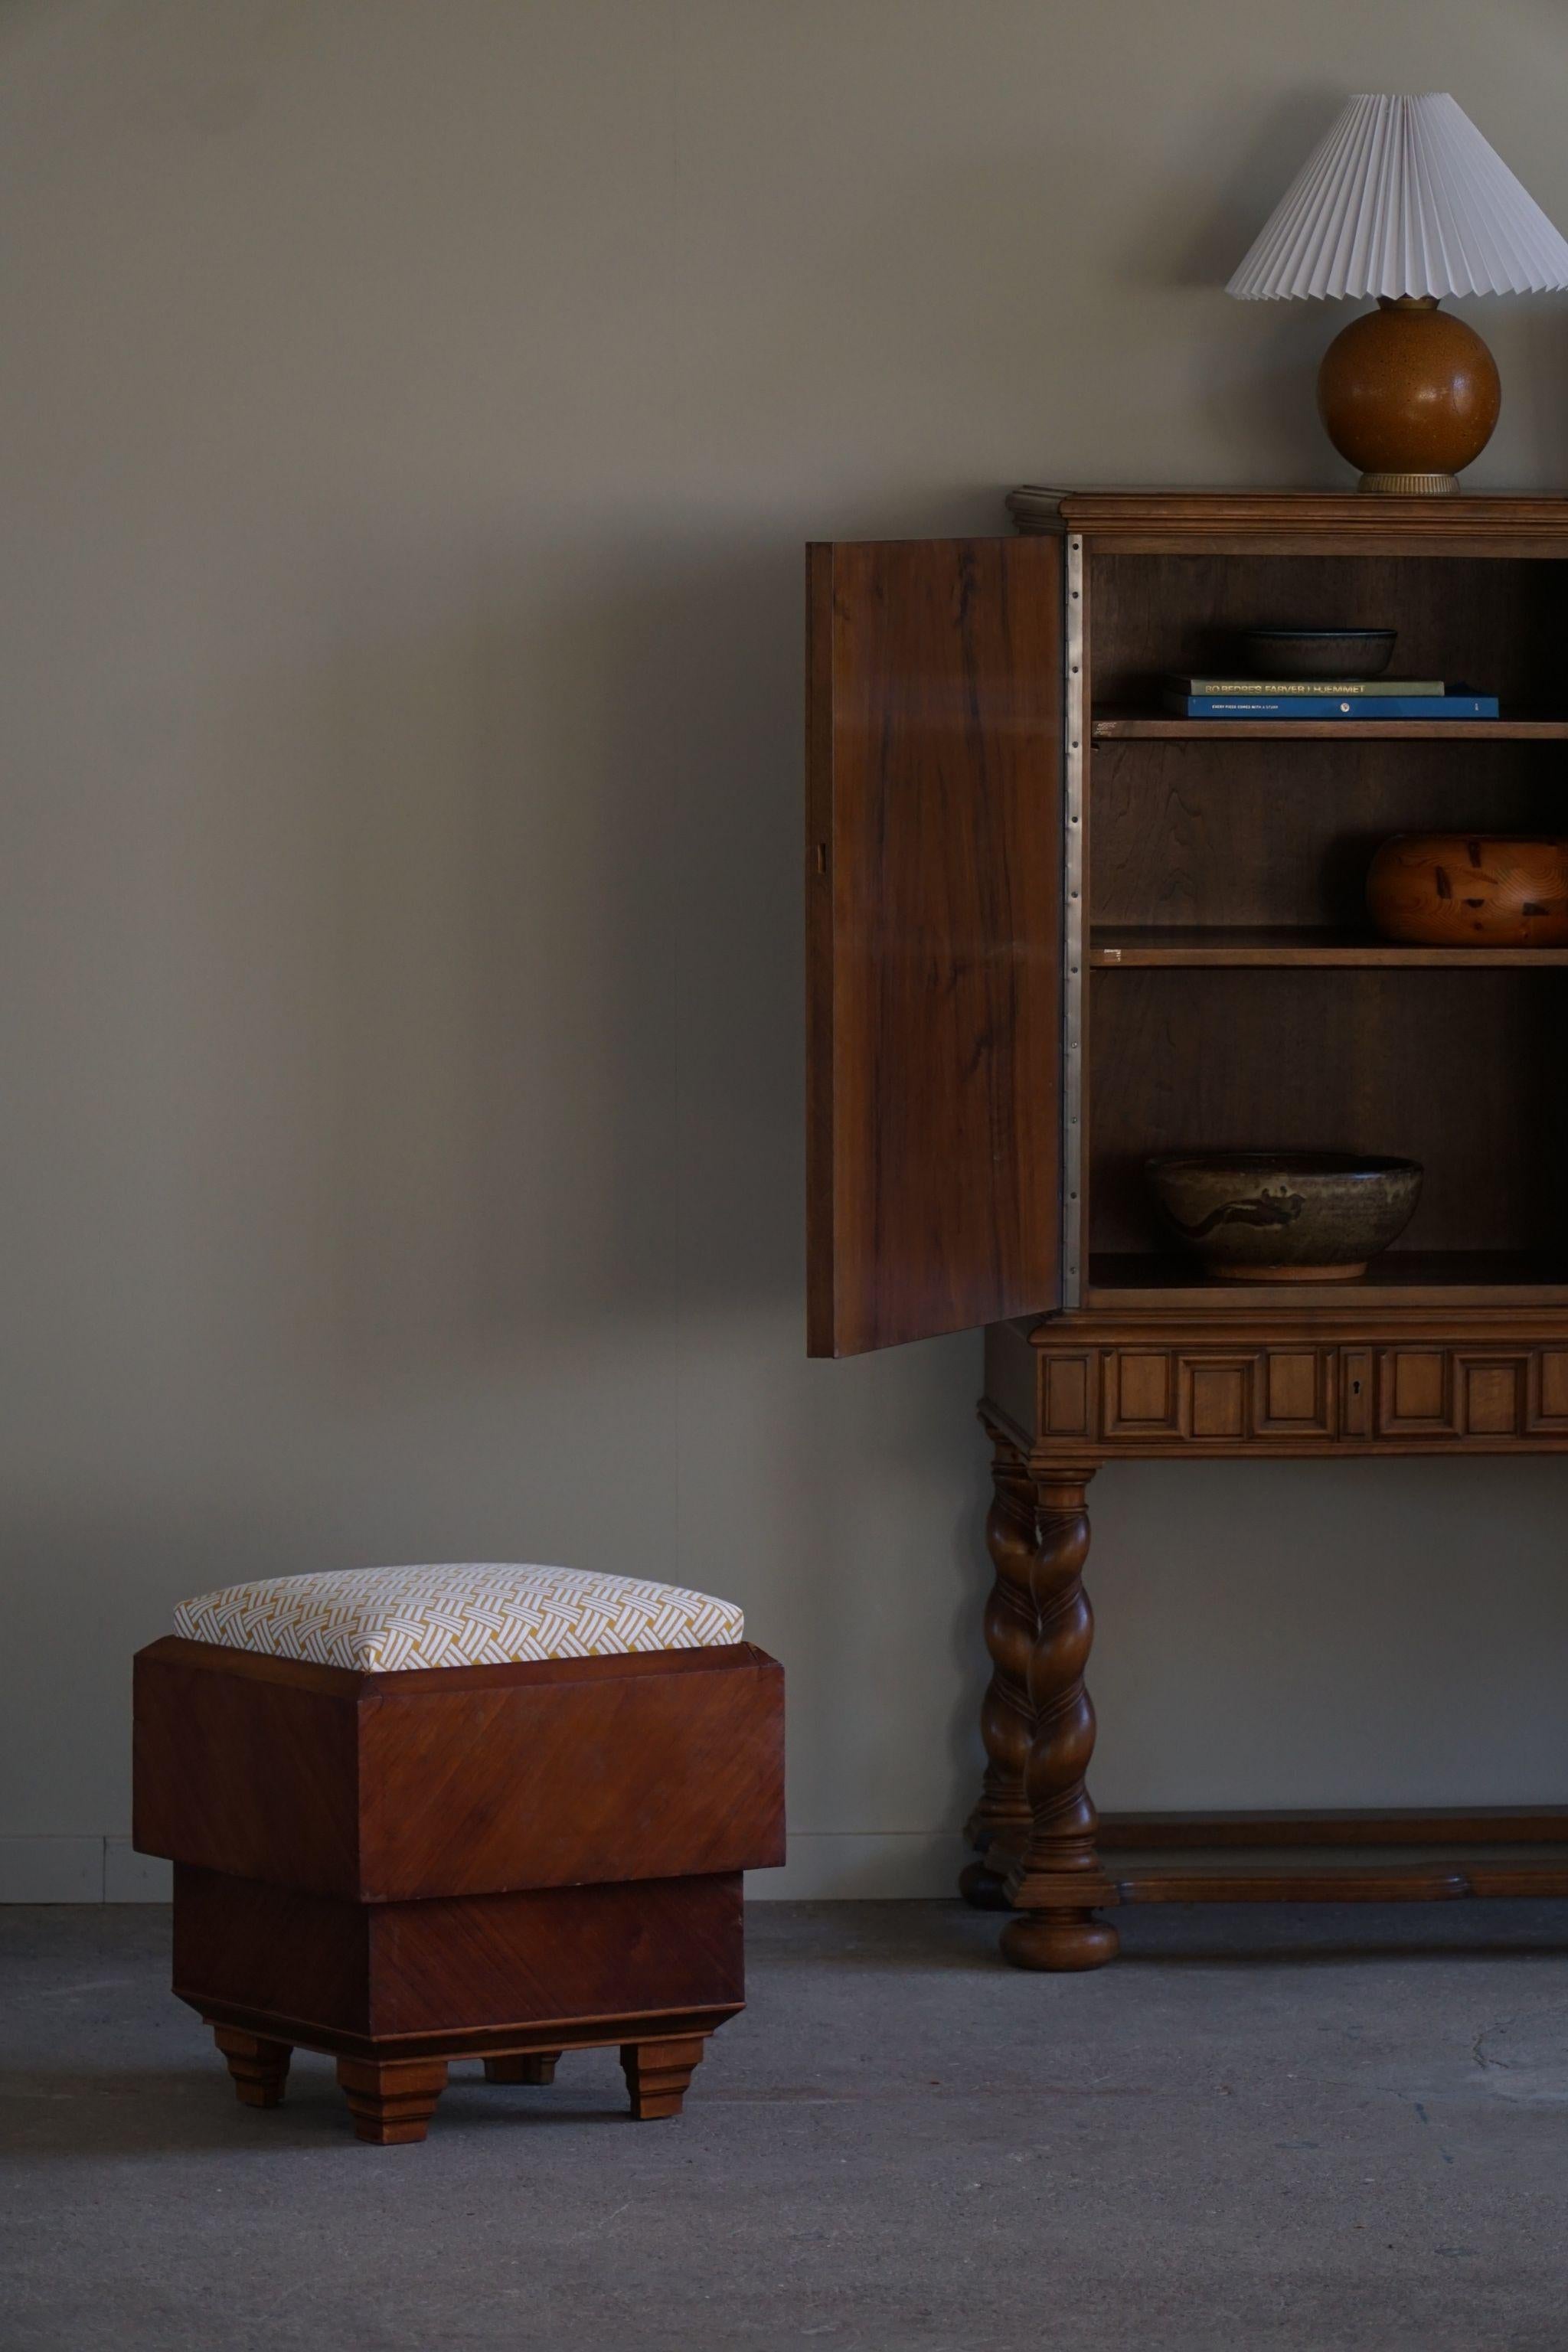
<point x="1256" y="387"/>
<point x="65" y="1752"/>
<point x="1203" y="243"/>
<point x="1535" y="375"/>
<point x="536" y="876"/>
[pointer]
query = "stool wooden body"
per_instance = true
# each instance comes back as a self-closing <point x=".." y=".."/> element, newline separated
<point x="498" y="1863"/>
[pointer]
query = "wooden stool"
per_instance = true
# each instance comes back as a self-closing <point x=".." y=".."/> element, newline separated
<point x="421" y="1814"/>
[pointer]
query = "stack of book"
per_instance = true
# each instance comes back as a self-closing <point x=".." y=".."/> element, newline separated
<point x="1375" y="697"/>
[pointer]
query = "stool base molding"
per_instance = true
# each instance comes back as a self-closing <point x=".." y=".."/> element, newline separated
<point x="396" y="1992"/>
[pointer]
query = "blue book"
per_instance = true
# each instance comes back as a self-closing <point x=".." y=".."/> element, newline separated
<point x="1328" y="706"/>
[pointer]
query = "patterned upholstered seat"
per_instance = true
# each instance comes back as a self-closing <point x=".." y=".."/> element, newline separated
<point x="390" y="1619"/>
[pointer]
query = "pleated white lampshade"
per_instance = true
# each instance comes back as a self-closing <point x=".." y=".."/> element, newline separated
<point x="1404" y="197"/>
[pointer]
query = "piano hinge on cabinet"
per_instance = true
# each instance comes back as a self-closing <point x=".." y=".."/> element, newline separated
<point x="1074" y="740"/>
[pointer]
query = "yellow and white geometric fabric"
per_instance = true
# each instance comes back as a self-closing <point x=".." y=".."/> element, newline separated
<point x="390" y="1619"/>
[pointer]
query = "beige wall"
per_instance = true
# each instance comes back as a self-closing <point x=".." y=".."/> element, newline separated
<point x="411" y="415"/>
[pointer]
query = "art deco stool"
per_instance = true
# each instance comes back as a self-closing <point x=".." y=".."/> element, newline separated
<point x="427" y="1813"/>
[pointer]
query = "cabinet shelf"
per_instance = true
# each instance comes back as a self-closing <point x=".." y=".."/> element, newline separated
<point x="1197" y="947"/>
<point x="1147" y="725"/>
<point x="1400" y="1278"/>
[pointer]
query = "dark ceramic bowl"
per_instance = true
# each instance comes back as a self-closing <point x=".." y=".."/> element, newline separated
<point x="1326" y="654"/>
<point x="1284" y="1216"/>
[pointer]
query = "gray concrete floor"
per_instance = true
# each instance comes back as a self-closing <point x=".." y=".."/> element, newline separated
<point x="1321" y="2128"/>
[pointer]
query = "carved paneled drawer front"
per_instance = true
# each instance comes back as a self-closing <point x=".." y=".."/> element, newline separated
<point x="1547" y="1407"/>
<point x="1296" y="1390"/>
<point x="1139" y="1393"/>
<point x="1287" y="1394"/>
<point x="1466" y="1392"/>
<point x="1415" y="1392"/>
<point x="1218" y="1396"/>
<point x="1067" y="1395"/>
<point x="1490" y="1394"/>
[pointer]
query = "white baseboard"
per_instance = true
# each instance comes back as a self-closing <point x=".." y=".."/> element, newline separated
<point x="80" y="1870"/>
<point x="862" y="1865"/>
<point x="823" y="1865"/>
<point x="51" y="1869"/>
<point x="133" y="1877"/>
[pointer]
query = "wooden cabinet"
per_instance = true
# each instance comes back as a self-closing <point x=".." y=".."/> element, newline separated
<point x="1053" y="932"/>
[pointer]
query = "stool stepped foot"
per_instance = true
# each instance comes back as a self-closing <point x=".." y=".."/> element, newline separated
<point x="392" y="2103"/>
<point x="538" y="2066"/>
<point x="259" y="2068"/>
<point x="658" y="2075"/>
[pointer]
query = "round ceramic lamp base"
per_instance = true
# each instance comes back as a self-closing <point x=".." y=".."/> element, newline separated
<point x="1408" y="394"/>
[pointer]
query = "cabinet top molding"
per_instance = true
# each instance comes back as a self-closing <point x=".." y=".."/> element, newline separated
<point x="1165" y="522"/>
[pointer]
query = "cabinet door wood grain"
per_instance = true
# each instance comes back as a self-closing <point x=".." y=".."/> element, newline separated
<point x="933" y="891"/>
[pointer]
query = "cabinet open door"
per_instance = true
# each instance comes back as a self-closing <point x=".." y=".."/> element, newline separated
<point x="934" y="882"/>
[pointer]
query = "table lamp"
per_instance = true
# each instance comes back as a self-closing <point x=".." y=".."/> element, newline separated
<point x="1404" y="200"/>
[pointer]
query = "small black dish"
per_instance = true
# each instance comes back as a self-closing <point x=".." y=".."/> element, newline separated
<point x="1329" y="654"/>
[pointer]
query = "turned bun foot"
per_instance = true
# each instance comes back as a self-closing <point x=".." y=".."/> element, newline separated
<point x="983" y="1889"/>
<point x="1060" y="1940"/>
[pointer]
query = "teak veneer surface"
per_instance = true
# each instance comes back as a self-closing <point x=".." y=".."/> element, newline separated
<point x="470" y="1781"/>
<point x="933" y="890"/>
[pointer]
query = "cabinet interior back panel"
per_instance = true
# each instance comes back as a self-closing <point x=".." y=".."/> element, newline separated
<point x="1259" y="833"/>
<point x="1497" y="623"/>
<point x="1460" y="1070"/>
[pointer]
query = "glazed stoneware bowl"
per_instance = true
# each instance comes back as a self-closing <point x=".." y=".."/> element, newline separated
<point x="1327" y="653"/>
<point x="1283" y="1216"/>
<point x="1470" y="890"/>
